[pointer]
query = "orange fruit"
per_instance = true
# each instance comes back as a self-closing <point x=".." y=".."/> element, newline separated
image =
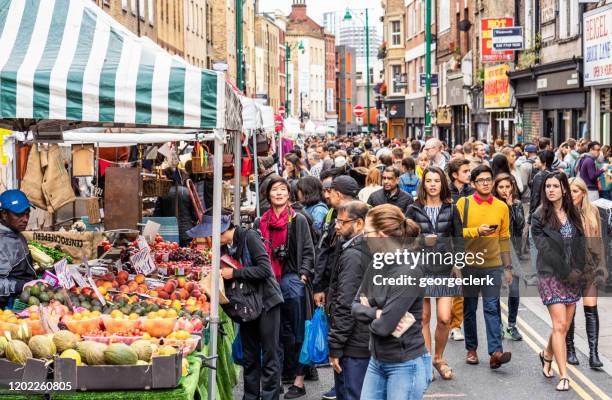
<point x="77" y="316"/>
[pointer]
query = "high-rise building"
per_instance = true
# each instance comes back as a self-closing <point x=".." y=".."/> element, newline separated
<point x="354" y="35"/>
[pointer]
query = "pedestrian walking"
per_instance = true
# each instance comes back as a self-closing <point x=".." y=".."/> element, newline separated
<point x="559" y="237"/>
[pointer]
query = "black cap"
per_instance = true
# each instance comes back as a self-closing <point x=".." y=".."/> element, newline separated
<point x="345" y="185"/>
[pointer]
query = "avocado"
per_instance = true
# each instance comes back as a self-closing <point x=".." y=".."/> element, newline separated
<point x="34" y="291"/>
<point x="33" y="301"/>
<point x="86" y="304"/>
<point x="96" y="308"/>
<point x="44" y="297"/>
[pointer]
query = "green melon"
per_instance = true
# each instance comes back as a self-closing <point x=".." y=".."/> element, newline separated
<point x="120" y="354"/>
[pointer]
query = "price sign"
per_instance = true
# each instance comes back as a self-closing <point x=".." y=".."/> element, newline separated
<point x="78" y="278"/>
<point x="51" y="279"/>
<point x="62" y="271"/>
<point x="142" y="261"/>
<point x="142" y="242"/>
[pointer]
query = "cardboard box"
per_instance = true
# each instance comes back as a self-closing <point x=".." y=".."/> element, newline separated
<point x="33" y="371"/>
<point x="162" y="373"/>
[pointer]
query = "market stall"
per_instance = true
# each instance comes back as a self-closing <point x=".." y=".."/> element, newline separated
<point x="53" y="80"/>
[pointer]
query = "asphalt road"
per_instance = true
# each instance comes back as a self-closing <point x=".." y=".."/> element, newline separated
<point x="521" y="379"/>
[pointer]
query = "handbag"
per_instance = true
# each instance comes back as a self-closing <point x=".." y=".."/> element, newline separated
<point x="228" y="162"/>
<point x="263" y="143"/>
<point x="247" y="164"/>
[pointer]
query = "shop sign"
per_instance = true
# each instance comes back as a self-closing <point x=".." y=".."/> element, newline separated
<point x="3" y="156"/>
<point x="508" y="38"/>
<point x="444" y="116"/>
<point x="598" y="46"/>
<point x="497" y="87"/>
<point x="455" y="95"/>
<point x="488" y="54"/>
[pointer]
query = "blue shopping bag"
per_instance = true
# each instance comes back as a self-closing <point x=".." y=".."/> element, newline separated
<point x="304" y="356"/>
<point x="237" y="353"/>
<point x="318" y="350"/>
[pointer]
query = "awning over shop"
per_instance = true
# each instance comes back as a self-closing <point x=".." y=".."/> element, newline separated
<point x="69" y="60"/>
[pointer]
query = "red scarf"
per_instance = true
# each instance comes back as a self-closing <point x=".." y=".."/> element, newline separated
<point x="274" y="231"/>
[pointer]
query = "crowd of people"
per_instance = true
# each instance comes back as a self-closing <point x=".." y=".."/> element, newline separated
<point x="328" y="206"/>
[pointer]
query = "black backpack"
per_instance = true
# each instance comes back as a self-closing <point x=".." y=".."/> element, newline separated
<point x="245" y="297"/>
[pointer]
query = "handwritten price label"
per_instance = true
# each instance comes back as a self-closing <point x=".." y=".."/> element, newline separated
<point x="143" y="262"/>
<point x="62" y="271"/>
<point x="78" y="278"/>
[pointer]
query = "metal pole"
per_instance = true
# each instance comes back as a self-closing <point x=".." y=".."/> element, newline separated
<point x="287" y="55"/>
<point x="256" y="172"/>
<point x="216" y="265"/>
<point x="368" y="66"/>
<point x="239" y="77"/>
<point x="237" y="172"/>
<point x="427" y="68"/>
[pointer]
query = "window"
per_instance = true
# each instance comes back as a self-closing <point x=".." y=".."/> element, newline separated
<point x="569" y="22"/>
<point x="151" y="12"/>
<point x="359" y="75"/>
<point x="124" y="5"/>
<point x="396" y="33"/>
<point x="142" y="9"/>
<point x="396" y="76"/>
<point x="445" y="15"/>
<point x="133" y="5"/>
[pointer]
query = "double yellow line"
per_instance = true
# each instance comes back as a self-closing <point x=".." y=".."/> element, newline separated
<point x="530" y="336"/>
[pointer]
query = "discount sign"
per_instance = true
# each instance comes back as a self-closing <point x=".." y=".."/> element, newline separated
<point x="488" y="54"/>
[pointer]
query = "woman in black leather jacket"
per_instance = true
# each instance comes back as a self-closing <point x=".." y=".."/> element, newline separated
<point x="442" y="232"/>
<point x="506" y="189"/>
<point x="558" y="234"/>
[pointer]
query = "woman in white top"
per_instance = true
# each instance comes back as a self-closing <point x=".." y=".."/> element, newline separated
<point x="372" y="184"/>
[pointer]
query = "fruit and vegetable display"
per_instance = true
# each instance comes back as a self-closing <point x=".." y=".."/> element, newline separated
<point x="46" y="256"/>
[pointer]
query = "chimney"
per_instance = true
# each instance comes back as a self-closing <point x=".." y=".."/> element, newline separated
<point x="298" y="9"/>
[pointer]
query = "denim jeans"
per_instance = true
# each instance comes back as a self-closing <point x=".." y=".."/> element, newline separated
<point x="491" y="309"/>
<point x="397" y="381"/>
<point x="349" y="383"/>
<point x="513" y="301"/>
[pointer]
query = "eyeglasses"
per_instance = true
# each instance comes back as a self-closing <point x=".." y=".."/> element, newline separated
<point x="484" y="181"/>
<point x="341" y="222"/>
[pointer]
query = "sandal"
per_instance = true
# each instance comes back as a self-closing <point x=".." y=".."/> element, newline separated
<point x="563" y="385"/>
<point x="444" y="370"/>
<point x="547" y="372"/>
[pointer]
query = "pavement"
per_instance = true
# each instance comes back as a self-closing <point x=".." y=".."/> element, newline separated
<point x="522" y="378"/>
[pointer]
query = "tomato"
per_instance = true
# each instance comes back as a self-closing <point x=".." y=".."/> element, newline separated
<point x="107" y="247"/>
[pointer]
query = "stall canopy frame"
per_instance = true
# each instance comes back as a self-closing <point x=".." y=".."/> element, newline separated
<point x="52" y="78"/>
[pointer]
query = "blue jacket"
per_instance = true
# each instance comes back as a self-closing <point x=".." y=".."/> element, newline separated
<point x="409" y="182"/>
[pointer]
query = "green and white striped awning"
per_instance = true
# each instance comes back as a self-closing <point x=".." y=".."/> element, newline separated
<point x="69" y="60"/>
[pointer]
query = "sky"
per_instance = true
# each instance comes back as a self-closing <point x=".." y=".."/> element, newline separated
<point x="316" y="8"/>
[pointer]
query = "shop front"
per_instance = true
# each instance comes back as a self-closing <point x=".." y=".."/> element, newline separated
<point x="415" y="117"/>
<point x="598" y="72"/>
<point x="456" y="98"/>
<point x="529" y="116"/>
<point x="396" y="115"/>
<point x="562" y="101"/>
<point x="444" y="118"/>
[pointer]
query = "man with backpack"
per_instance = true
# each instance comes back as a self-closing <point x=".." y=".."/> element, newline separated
<point x="525" y="166"/>
<point x="340" y="190"/>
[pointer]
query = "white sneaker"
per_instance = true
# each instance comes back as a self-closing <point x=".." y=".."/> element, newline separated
<point x="457" y="335"/>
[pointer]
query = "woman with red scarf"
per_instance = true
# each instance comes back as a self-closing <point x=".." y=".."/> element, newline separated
<point x="289" y="244"/>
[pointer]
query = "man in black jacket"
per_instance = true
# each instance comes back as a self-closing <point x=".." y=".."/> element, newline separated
<point x="546" y="159"/>
<point x="177" y="203"/>
<point x="348" y="338"/>
<point x="391" y="193"/>
<point x="340" y="190"/>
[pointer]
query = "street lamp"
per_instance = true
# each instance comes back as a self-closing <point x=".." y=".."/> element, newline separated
<point x="348" y="16"/>
<point x="288" y="49"/>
